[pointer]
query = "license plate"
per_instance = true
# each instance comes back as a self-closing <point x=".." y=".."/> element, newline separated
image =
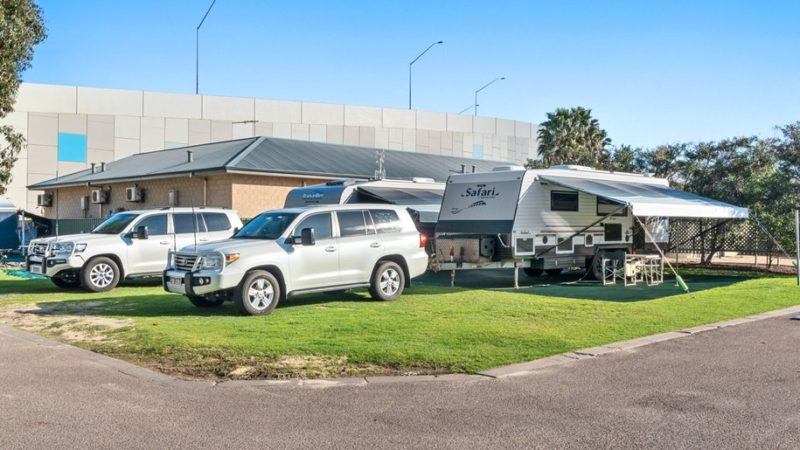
<point x="35" y="268"/>
<point x="175" y="284"/>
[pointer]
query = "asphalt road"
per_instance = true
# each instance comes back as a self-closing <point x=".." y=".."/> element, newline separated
<point x="734" y="387"/>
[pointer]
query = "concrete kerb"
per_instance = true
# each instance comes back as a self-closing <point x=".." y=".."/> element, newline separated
<point x="513" y="370"/>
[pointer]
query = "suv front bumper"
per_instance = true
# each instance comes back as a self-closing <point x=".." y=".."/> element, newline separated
<point x="198" y="283"/>
<point x="51" y="266"/>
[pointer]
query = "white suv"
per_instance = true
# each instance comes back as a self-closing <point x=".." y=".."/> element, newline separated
<point x="300" y="250"/>
<point x="128" y="244"/>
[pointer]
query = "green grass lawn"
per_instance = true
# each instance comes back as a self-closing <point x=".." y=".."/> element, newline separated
<point x="430" y="329"/>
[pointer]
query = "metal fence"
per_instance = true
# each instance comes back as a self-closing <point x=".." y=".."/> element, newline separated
<point x="73" y="226"/>
<point x="741" y="243"/>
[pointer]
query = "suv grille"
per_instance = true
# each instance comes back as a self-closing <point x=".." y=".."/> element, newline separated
<point x="185" y="262"/>
<point x="39" y="249"/>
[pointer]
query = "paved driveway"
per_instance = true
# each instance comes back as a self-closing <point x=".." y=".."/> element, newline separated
<point x="733" y="387"/>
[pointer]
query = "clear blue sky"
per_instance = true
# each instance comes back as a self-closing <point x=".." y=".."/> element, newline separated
<point x="652" y="72"/>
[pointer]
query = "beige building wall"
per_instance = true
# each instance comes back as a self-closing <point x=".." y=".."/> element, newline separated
<point x="191" y="192"/>
<point x="253" y="194"/>
<point x="248" y="194"/>
<point x="118" y="123"/>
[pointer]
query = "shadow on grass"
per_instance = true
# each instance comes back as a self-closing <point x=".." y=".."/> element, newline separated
<point x="167" y="305"/>
<point x="571" y="285"/>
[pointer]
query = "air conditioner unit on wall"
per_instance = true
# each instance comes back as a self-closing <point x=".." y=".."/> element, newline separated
<point x="44" y="200"/>
<point x="99" y="196"/>
<point x="134" y="194"/>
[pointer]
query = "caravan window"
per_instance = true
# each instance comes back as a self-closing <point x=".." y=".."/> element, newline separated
<point x="606" y="207"/>
<point x="613" y="232"/>
<point x="563" y="201"/>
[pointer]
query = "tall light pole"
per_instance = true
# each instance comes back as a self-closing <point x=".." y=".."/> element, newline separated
<point x="411" y="64"/>
<point x="482" y="88"/>
<point x="466" y="109"/>
<point x="197" y="50"/>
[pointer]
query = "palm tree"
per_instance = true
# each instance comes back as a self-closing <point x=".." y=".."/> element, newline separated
<point x="572" y="136"/>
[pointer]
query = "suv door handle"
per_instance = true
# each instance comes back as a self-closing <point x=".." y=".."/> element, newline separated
<point x="330" y="249"/>
<point x="164" y="242"/>
<point x="375" y="244"/>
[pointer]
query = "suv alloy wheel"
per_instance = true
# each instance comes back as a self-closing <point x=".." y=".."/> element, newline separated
<point x="100" y="275"/>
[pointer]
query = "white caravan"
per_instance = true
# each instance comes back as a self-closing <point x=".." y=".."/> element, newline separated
<point x="552" y="219"/>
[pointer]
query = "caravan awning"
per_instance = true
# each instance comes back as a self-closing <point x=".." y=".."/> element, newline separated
<point x="400" y="196"/>
<point x="652" y="200"/>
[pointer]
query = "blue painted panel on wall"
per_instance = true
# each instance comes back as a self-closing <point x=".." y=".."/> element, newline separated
<point x="71" y="147"/>
<point x="477" y="151"/>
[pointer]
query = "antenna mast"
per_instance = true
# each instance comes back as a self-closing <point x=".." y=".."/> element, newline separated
<point x="380" y="173"/>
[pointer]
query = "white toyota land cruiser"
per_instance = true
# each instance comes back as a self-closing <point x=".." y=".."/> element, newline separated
<point x="128" y="244"/>
<point x="300" y="250"/>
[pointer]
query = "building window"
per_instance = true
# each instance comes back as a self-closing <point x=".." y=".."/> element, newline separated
<point x="477" y="151"/>
<point x="563" y="201"/>
<point x="606" y="207"/>
<point x="72" y="147"/>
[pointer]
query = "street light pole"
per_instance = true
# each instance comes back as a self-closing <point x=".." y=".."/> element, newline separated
<point x="482" y="88"/>
<point x="411" y="64"/>
<point x="197" y="50"/>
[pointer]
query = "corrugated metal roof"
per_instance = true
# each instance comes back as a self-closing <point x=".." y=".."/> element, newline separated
<point x="273" y="155"/>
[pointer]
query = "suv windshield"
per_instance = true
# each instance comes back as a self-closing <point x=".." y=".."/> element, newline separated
<point x="115" y="224"/>
<point x="266" y="226"/>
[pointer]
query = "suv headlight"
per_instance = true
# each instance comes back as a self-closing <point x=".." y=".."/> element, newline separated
<point x="212" y="262"/>
<point x="63" y="248"/>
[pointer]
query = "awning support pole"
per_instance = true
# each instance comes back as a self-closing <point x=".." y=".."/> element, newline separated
<point x="596" y="222"/>
<point x="678" y="278"/>
<point x="774" y="241"/>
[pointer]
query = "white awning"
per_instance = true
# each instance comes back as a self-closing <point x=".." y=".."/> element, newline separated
<point x="652" y="200"/>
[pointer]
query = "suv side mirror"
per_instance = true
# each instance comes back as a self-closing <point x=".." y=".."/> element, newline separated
<point x="141" y="232"/>
<point x="307" y="236"/>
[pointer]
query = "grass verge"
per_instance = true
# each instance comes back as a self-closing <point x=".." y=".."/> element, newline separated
<point x="430" y="329"/>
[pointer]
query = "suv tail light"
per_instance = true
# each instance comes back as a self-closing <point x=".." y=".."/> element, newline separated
<point x="423" y="240"/>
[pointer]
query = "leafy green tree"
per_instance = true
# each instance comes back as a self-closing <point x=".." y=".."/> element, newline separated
<point x="572" y="136"/>
<point x="625" y="159"/>
<point x="21" y="29"/>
